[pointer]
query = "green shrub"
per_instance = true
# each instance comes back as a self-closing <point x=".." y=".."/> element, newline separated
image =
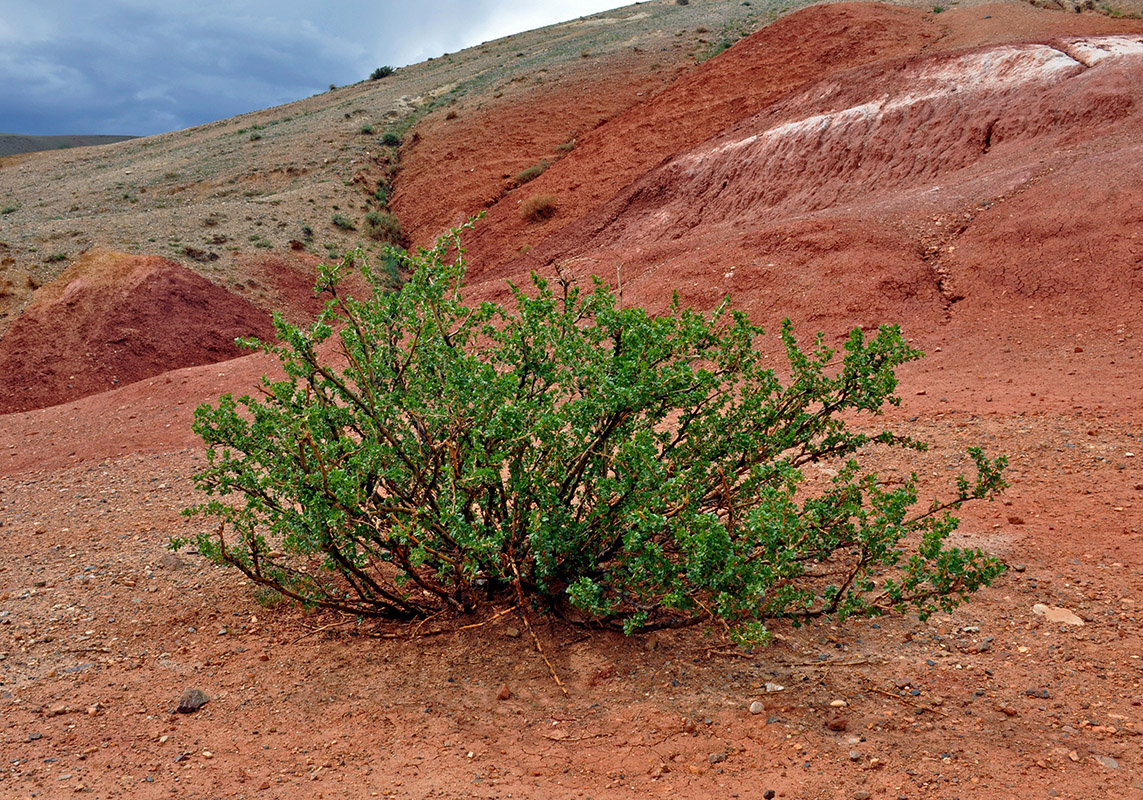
<point x="538" y="208"/>
<point x="343" y="222"/>
<point x="381" y="72"/>
<point x="9" y="209"/>
<point x="620" y="468"/>
<point x="384" y="227"/>
<point x="391" y="139"/>
<point x="366" y="129"/>
<point x="531" y="173"/>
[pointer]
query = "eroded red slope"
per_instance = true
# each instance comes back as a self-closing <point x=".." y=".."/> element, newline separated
<point x="1030" y="151"/>
<point x="112" y="319"/>
<point x="755" y="73"/>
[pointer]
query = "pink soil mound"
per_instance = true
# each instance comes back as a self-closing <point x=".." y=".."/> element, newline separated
<point x="112" y="319"/>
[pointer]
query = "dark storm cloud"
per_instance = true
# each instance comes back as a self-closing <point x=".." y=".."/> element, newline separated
<point x="135" y="67"/>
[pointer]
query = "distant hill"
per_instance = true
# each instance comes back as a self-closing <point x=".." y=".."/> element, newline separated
<point x="13" y="143"/>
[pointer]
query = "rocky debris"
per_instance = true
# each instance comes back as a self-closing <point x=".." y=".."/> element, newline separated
<point x="504" y="693"/>
<point x="1070" y="6"/>
<point x="191" y="701"/>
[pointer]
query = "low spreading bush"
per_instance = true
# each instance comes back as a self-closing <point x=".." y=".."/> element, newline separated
<point x="565" y="453"/>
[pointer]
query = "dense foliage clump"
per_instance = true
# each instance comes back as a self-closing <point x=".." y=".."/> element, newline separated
<point x="610" y="465"/>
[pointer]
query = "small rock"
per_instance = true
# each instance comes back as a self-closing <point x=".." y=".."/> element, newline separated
<point x="757" y="707"/>
<point x="768" y="794"/>
<point x="774" y="687"/>
<point x="838" y="703"/>
<point x="1053" y="614"/>
<point x="651" y="643"/>
<point x="1014" y="520"/>
<point x="1108" y="762"/>
<point x="191" y="701"/>
<point x="35" y="737"/>
<point x="57" y="711"/>
<point x="504" y="693"/>
<point x="1007" y="710"/>
<point x="1019" y="567"/>
<point x="512" y="633"/>
<point x="861" y="794"/>
<point x="207" y="754"/>
<point x="171" y="561"/>
<point x="837" y="724"/>
<point x="716" y="758"/>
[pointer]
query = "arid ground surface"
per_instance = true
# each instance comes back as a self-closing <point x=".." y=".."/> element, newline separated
<point x="972" y="175"/>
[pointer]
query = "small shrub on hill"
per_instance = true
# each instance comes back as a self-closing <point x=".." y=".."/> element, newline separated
<point x="538" y="208"/>
<point x="384" y="227"/>
<point x="343" y="222"/>
<point x="381" y="72"/>
<point x="391" y="139"/>
<point x="531" y="173"/>
<point x="570" y="454"/>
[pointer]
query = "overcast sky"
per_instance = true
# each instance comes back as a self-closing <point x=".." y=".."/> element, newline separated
<point x="147" y="66"/>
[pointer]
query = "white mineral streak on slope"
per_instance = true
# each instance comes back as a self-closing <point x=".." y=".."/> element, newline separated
<point x="920" y="121"/>
<point x="993" y="71"/>
<point x="1093" y="49"/>
<point x="853" y="135"/>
